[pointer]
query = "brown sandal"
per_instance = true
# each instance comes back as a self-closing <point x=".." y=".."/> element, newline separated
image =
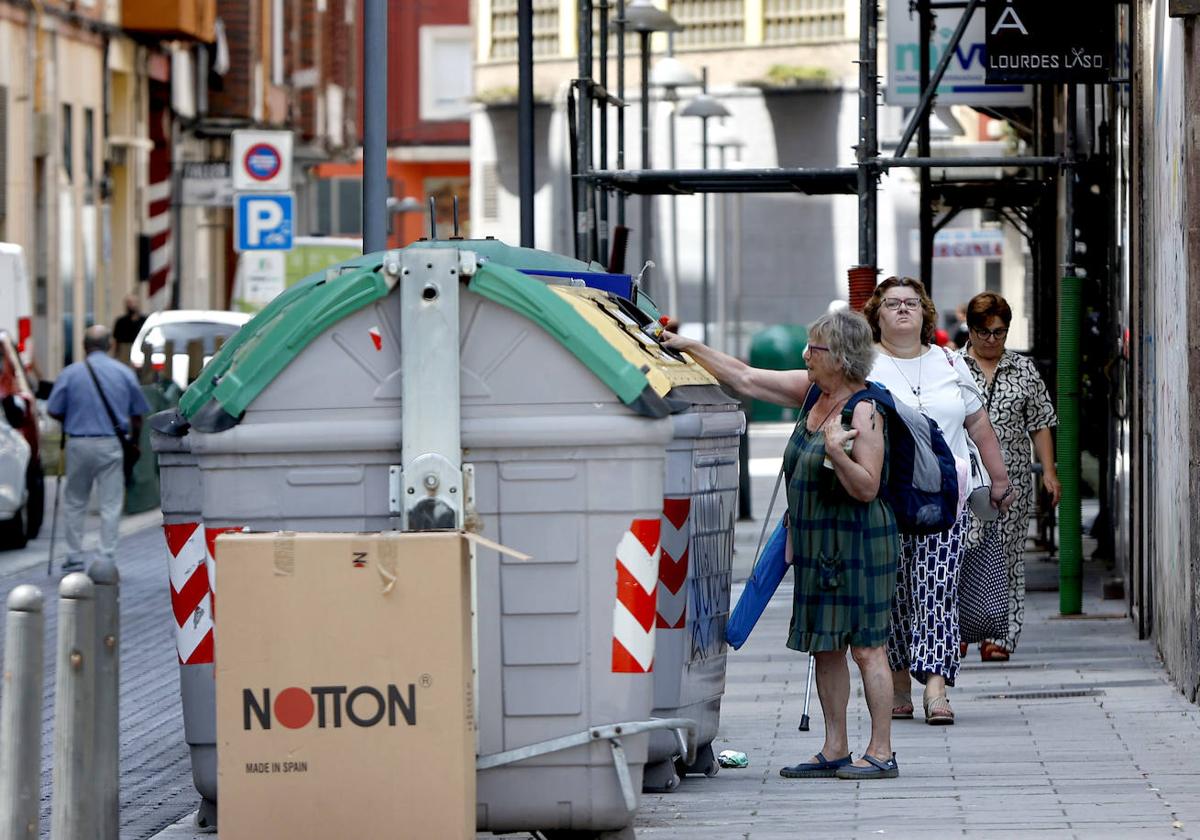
<point x="902" y="707"/>
<point x="992" y="652"/>
<point x="938" y="711"/>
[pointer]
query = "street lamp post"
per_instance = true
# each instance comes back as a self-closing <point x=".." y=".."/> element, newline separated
<point x="727" y="139"/>
<point x="704" y="107"/>
<point x="644" y="18"/>
<point x="671" y="74"/>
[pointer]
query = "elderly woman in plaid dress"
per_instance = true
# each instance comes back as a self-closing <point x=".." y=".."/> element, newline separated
<point x="842" y="539"/>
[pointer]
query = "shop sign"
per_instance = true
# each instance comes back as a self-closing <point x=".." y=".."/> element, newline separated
<point x="965" y="81"/>
<point x="1059" y="41"/>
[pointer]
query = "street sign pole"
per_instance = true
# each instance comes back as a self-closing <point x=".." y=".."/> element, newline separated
<point x="375" y="61"/>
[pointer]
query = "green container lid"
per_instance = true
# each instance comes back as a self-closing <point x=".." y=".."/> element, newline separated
<point x="268" y="343"/>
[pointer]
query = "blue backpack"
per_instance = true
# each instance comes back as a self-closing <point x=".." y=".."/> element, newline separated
<point x="921" y="486"/>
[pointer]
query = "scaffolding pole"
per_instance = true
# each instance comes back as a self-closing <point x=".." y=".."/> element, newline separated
<point x="585" y="217"/>
<point x="1070" y="526"/>
<point x="525" y="117"/>
<point x="867" y="151"/>
<point x="924" y="179"/>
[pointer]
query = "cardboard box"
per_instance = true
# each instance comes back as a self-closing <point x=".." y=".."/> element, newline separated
<point x="343" y="670"/>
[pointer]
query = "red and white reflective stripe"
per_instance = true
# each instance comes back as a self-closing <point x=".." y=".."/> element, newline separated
<point x="210" y="545"/>
<point x="191" y="597"/>
<point x="637" y="585"/>
<point x="157" y="197"/>
<point x="673" y="564"/>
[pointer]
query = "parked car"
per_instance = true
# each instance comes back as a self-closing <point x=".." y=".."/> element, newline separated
<point x="22" y="488"/>
<point x="180" y="327"/>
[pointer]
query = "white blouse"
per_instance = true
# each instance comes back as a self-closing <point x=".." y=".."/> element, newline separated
<point x="938" y="385"/>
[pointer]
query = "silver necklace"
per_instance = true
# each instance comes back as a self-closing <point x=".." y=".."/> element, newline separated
<point x="917" y="390"/>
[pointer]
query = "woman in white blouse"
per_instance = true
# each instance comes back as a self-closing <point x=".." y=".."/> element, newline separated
<point x="924" y="636"/>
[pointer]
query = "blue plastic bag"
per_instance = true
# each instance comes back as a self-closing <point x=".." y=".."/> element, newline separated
<point x="768" y="572"/>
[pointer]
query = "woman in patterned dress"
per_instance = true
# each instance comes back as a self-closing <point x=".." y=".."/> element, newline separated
<point x="1019" y="406"/>
<point x="925" y="636"/>
<point x="842" y="539"/>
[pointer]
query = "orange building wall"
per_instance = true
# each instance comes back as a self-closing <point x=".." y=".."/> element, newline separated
<point x="412" y="179"/>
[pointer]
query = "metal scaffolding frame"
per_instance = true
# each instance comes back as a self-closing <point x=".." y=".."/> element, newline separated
<point x="1028" y="200"/>
<point x="594" y="186"/>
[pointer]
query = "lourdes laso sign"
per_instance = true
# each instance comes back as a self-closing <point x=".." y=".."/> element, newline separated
<point x="1050" y="40"/>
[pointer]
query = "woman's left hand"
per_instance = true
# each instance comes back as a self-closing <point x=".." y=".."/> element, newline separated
<point x="1050" y="482"/>
<point x="1002" y="495"/>
<point x="836" y="436"/>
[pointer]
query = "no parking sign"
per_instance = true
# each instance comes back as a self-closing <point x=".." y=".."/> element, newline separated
<point x="261" y="160"/>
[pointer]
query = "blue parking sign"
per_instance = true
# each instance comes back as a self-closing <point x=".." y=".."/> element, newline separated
<point x="263" y="221"/>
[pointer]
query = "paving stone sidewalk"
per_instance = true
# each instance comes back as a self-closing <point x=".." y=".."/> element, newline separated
<point x="1079" y="736"/>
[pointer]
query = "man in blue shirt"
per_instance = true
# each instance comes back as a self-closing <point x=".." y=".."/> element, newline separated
<point x="94" y="453"/>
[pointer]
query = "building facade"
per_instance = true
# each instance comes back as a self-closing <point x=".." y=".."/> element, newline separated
<point x="428" y="133"/>
<point x="74" y="144"/>
<point x="1162" y="356"/>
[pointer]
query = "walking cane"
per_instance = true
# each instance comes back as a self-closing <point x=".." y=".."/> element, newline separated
<point x="57" y="492"/>
<point x="807" y="693"/>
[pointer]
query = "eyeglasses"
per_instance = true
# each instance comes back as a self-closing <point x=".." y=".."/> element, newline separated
<point x="997" y="334"/>
<point x="908" y="303"/>
<point x="818" y="347"/>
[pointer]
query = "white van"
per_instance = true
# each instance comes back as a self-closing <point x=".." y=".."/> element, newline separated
<point x="16" y="312"/>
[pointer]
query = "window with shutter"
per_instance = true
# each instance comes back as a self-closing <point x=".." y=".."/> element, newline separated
<point x="504" y="29"/>
<point x="804" y="21"/>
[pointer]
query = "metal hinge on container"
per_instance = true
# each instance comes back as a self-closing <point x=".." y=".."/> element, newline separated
<point x="396" y="492"/>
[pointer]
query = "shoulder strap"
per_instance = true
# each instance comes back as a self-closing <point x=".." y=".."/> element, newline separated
<point x="811" y="396"/>
<point x="112" y="417"/>
<point x="871" y="392"/>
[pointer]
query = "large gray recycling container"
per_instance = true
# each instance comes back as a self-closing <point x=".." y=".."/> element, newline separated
<point x="696" y="569"/>
<point x="562" y="471"/>
<point x="191" y="601"/>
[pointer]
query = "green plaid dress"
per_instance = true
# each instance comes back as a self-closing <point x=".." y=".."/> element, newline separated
<point x="844" y="553"/>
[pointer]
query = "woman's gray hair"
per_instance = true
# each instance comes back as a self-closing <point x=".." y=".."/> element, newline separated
<point x="850" y="341"/>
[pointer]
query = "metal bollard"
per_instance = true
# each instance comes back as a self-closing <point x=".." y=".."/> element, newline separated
<point x="71" y="806"/>
<point x="21" y="716"/>
<point x="106" y="759"/>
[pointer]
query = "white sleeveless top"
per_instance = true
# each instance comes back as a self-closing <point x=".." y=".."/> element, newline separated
<point x="937" y="386"/>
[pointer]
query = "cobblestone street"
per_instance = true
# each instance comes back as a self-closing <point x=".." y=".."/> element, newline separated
<point x="156" y="780"/>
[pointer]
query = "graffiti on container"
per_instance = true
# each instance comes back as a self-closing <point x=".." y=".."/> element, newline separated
<point x="711" y="549"/>
<point x="710" y="610"/>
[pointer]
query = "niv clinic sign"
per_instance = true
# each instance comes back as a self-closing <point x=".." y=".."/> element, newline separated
<point x="1050" y="40"/>
<point x="965" y="82"/>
